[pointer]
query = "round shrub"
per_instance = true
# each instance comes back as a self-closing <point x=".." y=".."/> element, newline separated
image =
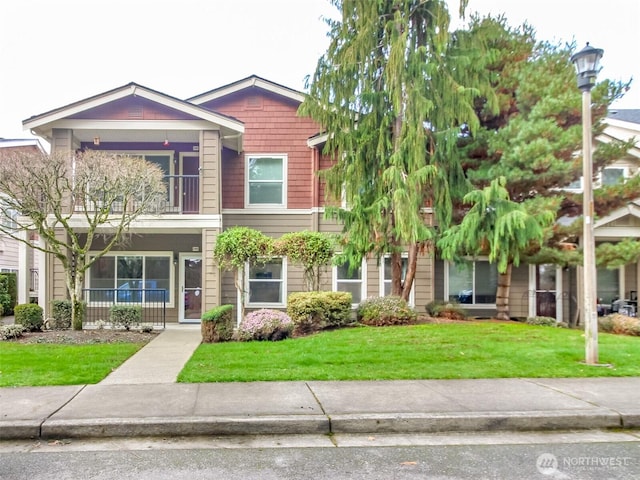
<point x="542" y="321"/>
<point x="382" y="311"/>
<point x="125" y="316"/>
<point x="264" y="324"/>
<point x="446" y="309"/>
<point x="217" y="324"/>
<point x="9" y="332"/>
<point x="29" y="315"/>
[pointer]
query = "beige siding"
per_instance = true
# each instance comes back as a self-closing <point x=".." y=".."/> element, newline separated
<point x="8" y="253"/>
<point x="630" y="279"/>
<point x="210" y="272"/>
<point x="519" y="295"/>
<point x="270" y="224"/>
<point x="210" y="165"/>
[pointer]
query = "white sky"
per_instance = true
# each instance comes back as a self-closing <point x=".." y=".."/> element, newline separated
<point x="54" y="53"/>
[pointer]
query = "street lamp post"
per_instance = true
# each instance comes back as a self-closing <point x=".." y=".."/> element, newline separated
<point x="586" y="62"/>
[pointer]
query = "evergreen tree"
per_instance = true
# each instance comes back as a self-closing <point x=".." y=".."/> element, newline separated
<point x="391" y="99"/>
<point x="534" y="139"/>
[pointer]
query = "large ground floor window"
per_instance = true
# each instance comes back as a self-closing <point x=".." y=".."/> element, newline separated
<point x="267" y="283"/>
<point x="472" y="283"/>
<point x="348" y="279"/>
<point x="133" y="273"/>
<point x="608" y="285"/>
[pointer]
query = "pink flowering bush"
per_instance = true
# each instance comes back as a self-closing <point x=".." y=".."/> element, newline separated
<point x="264" y="324"/>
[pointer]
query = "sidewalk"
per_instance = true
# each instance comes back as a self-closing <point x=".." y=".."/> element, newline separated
<point x="124" y="404"/>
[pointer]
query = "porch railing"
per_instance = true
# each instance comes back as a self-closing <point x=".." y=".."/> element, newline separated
<point x="100" y="300"/>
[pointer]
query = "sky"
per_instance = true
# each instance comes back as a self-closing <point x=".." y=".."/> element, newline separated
<point x="54" y="53"/>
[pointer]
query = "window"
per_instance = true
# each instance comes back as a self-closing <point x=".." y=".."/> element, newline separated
<point x="386" y="276"/>
<point x="472" y="283"/>
<point x="266" y="178"/>
<point x="267" y="283"/>
<point x="608" y="285"/>
<point x="350" y="280"/>
<point x="131" y="274"/>
<point x="613" y="175"/>
<point x="8" y="216"/>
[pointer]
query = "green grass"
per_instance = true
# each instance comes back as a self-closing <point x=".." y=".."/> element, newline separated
<point x="443" y="351"/>
<point x="53" y="364"/>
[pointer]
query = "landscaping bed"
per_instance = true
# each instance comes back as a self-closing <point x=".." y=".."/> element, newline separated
<point x="82" y="337"/>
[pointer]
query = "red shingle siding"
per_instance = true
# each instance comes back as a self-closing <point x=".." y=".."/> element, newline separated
<point x="271" y="126"/>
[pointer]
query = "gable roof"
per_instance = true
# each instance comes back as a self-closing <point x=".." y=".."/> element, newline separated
<point x="21" y="143"/>
<point x="630" y="209"/>
<point x="43" y="124"/>
<point x="252" y="81"/>
<point x="631" y="115"/>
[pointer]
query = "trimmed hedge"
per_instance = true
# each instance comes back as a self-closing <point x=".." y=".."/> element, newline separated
<point x="125" y="316"/>
<point x="217" y="324"/>
<point x="29" y="315"/>
<point x="315" y="311"/>
<point x="382" y="311"/>
<point x="61" y="314"/>
<point x="8" y="293"/>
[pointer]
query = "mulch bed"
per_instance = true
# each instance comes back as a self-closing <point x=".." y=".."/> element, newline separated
<point x="79" y="337"/>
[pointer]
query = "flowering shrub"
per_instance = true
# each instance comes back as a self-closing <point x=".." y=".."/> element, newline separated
<point x="264" y="324"/>
<point x="620" y="324"/>
<point x="380" y="311"/>
<point x="8" y="332"/>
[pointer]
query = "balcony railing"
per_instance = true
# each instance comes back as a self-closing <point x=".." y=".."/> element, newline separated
<point x="183" y="196"/>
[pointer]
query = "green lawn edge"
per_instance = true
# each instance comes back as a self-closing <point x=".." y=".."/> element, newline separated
<point x="24" y="364"/>
<point x="431" y="351"/>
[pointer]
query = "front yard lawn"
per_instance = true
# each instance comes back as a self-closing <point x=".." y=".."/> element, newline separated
<point x="24" y="364"/>
<point x="462" y="350"/>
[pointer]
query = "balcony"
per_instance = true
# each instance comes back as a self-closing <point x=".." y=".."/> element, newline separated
<point x="183" y="196"/>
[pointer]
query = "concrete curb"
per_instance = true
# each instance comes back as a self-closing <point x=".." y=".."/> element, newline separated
<point x="475" y="422"/>
<point x="400" y="423"/>
<point x="186" y="426"/>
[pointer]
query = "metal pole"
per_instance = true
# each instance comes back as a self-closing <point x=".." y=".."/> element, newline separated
<point x="589" y="256"/>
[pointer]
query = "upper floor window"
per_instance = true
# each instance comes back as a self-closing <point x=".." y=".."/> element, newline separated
<point x="472" y="283"/>
<point x="266" y="180"/>
<point x="267" y="283"/>
<point x="346" y="279"/>
<point x="613" y="175"/>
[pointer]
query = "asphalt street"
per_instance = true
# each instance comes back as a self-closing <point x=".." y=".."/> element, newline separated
<point x="559" y="455"/>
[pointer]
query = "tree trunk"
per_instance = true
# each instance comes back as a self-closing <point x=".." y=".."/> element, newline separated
<point x="412" y="265"/>
<point x="502" y="294"/>
<point x="396" y="274"/>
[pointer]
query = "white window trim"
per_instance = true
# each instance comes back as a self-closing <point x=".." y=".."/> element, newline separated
<point x="283" y="281"/>
<point x="625" y="174"/>
<point x="412" y="294"/>
<point x="363" y="281"/>
<point x="172" y="270"/>
<point x="263" y="206"/>
<point x="446" y="282"/>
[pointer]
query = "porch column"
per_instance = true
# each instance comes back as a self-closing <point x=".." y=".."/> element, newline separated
<point x="23" y="269"/>
<point x="211" y="294"/>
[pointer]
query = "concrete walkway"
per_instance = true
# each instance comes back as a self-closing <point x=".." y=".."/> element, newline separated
<point x="159" y="361"/>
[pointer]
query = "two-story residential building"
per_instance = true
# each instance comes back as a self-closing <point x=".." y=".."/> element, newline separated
<point x="14" y="255"/>
<point x="237" y="155"/>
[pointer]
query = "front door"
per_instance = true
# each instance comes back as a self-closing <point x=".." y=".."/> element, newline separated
<point x="546" y="290"/>
<point x="190" y="308"/>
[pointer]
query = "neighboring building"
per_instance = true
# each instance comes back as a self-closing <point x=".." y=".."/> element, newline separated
<point x="14" y="254"/>
<point x="236" y="155"/>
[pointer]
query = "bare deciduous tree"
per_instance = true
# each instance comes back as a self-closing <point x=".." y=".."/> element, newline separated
<point x="70" y="199"/>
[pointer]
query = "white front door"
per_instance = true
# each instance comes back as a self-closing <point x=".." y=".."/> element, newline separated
<point x="190" y="306"/>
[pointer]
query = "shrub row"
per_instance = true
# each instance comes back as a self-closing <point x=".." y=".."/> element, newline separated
<point x="8" y="293"/>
